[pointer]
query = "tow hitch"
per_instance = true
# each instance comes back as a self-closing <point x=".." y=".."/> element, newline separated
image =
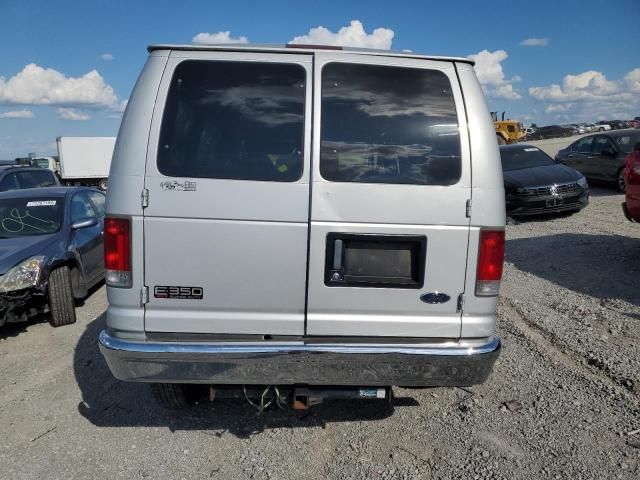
<point x="304" y="398"/>
<point x="300" y="398"/>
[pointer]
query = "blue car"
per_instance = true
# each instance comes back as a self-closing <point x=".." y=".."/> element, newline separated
<point x="51" y="251"/>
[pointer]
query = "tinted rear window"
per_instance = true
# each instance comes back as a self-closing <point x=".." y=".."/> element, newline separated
<point x="526" y="157"/>
<point x="384" y="124"/>
<point x="35" y="179"/>
<point x="234" y="120"/>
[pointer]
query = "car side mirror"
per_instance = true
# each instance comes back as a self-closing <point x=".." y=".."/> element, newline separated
<point x="84" y="223"/>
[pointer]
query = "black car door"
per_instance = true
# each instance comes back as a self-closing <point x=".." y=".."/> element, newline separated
<point x="605" y="163"/>
<point x="87" y="239"/>
<point x="579" y="154"/>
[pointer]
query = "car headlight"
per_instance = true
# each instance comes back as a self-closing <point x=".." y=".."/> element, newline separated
<point x="583" y="182"/>
<point x="23" y="275"/>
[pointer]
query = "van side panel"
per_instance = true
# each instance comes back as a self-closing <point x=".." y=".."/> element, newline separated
<point x="486" y="164"/>
<point x="126" y="181"/>
<point x="488" y="204"/>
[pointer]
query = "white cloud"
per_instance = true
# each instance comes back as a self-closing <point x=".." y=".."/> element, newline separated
<point x="632" y="80"/>
<point x="352" y="36"/>
<point x="72" y="114"/>
<point x="590" y="96"/>
<point x="591" y="86"/>
<point x="491" y="76"/>
<point x="558" y="108"/>
<point x="17" y="114"/>
<point x="535" y="42"/>
<point x="218" y="37"/>
<point x="35" y="85"/>
<point x="106" y="56"/>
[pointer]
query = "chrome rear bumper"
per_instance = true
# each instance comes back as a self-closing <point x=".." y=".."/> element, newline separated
<point x="461" y="363"/>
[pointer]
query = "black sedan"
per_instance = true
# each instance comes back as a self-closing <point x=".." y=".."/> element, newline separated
<point x="535" y="184"/>
<point x="51" y="251"/>
<point x="550" y="131"/>
<point x="601" y="157"/>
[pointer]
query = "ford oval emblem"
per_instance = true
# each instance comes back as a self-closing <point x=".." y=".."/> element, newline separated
<point x="435" y="297"/>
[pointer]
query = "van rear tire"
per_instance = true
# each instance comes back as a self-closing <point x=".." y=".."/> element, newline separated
<point x="61" y="300"/>
<point x="172" y="396"/>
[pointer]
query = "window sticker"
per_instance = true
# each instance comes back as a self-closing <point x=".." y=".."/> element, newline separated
<point x="41" y="203"/>
<point x="175" y="186"/>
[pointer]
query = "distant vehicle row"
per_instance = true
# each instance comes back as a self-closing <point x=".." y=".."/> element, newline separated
<point x="567" y="130"/>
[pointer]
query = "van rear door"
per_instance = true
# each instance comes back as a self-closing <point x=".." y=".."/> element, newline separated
<point x="391" y="181"/>
<point x="225" y="229"/>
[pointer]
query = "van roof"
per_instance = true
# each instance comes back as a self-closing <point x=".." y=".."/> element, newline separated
<point x="290" y="48"/>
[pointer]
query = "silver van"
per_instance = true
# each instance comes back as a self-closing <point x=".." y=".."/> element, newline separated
<point x="303" y="217"/>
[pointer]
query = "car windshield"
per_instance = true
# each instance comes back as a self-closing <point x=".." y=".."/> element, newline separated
<point x="526" y="157"/>
<point x="627" y="142"/>
<point x="26" y="216"/>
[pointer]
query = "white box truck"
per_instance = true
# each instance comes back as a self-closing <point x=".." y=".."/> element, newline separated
<point x="85" y="160"/>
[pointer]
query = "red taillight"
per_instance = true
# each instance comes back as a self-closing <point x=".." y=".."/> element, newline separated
<point x="117" y="252"/>
<point x="490" y="260"/>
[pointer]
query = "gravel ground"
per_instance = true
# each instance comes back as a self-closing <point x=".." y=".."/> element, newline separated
<point x="569" y="317"/>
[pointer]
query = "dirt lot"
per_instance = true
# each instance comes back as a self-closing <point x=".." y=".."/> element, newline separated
<point x="570" y="322"/>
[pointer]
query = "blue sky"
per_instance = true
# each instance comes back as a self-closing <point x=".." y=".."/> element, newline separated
<point x="66" y="67"/>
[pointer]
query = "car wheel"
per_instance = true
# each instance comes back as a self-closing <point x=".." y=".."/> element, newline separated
<point x="601" y="129"/>
<point x="61" y="301"/>
<point x="173" y="396"/>
<point x="501" y="141"/>
<point x="102" y="184"/>
<point x="621" y="182"/>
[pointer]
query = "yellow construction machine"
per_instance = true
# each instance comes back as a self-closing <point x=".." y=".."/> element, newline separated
<point x="507" y="131"/>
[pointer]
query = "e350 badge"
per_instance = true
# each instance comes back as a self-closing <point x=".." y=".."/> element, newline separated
<point x="178" y="293"/>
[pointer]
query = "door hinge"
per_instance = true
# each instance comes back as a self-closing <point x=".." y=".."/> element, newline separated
<point x="468" y="209"/>
<point x="145" y="197"/>
<point x="460" y="302"/>
<point x="144" y="295"/>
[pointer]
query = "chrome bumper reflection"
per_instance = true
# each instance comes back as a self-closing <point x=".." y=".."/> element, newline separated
<point x="289" y="363"/>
